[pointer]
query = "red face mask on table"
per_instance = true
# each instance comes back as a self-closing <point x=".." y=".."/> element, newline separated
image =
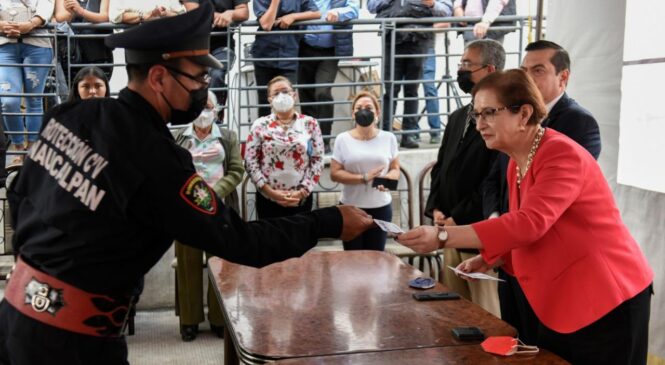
<point x="506" y="346"/>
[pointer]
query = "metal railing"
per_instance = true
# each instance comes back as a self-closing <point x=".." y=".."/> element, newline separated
<point x="241" y="88"/>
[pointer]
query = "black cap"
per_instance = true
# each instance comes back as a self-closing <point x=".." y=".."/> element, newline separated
<point x="185" y="35"/>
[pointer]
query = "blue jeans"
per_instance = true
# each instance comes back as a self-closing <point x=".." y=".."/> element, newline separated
<point x="23" y="80"/>
<point x="431" y="106"/>
<point x="218" y="77"/>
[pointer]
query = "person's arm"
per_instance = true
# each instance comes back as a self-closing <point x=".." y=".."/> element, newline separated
<point x="238" y="14"/>
<point x="234" y="172"/>
<point x="494" y="8"/>
<point x="393" y="169"/>
<point x="73" y="7"/>
<point x="375" y="6"/>
<point x="61" y="14"/>
<point x="266" y="16"/>
<point x="288" y="19"/>
<point x="343" y="14"/>
<point x="442" y="8"/>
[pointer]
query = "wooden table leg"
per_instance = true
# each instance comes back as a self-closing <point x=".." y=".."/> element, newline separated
<point x="230" y="354"/>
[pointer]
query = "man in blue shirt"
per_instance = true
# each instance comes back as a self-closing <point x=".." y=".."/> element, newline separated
<point x="324" y="71"/>
<point x="406" y="68"/>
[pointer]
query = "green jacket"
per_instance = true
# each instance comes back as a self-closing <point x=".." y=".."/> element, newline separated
<point x="234" y="170"/>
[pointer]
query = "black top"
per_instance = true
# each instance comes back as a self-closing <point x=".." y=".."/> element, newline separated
<point x="106" y="190"/>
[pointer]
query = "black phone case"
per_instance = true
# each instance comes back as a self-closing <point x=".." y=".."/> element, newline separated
<point x="387" y="183"/>
<point x="435" y="296"/>
<point x="468" y="333"/>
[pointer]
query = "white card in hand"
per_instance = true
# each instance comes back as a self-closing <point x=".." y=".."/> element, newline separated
<point x="389" y="227"/>
<point x="475" y="275"/>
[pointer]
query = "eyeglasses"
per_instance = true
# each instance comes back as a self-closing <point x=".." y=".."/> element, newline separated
<point x="489" y="113"/>
<point x="468" y="64"/>
<point x="201" y="79"/>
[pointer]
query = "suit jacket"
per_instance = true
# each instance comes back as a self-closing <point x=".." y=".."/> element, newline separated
<point x="462" y="165"/>
<point x="564" y="239"/>
<point x="567" y="117"/>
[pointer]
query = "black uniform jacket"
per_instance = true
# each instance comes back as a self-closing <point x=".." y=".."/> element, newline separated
<point x="106" y="190"/>
<point x="461" y="167"/>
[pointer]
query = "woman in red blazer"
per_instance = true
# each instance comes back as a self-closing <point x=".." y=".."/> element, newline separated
<point x="563" y="238"/>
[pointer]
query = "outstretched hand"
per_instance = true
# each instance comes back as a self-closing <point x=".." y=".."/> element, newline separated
<point x="421" y="239"/>
<point x="354" y="222"/>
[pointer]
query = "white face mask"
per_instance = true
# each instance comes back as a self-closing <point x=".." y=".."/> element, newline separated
<point x="282" y="102"/>
<point x="205" y="119"/>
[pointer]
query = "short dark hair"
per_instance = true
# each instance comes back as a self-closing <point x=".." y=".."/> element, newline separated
<point x="560" y="60"/>
<point x="514" y="88"/>
<point x="93" y="71"/>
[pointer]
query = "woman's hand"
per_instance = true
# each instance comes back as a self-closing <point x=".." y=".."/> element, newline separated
<point x="223" y="20"/>
<point x="438" y="217"/>
<point x="74" y="7"/>
<point x="284" y="198"/>
<point x="474" y="264"/>
<point x="421" y="239"/>
<point x="375" y="172"/>
<point x="285" y="21"/>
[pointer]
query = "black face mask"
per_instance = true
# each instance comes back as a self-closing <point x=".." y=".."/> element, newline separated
<point x="464" y="79"/>
<point x="364" y="117"/>
<point x="197" y="102"/>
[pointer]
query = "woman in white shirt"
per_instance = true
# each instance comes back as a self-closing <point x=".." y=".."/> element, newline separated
<point x="360" y="155"/>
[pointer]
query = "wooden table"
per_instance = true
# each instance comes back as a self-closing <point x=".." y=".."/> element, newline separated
<point x="331" y="303"/>
<point x="451" y="355"/>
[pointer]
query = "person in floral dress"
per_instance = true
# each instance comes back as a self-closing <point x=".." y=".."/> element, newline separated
<point x="283" y="155"/>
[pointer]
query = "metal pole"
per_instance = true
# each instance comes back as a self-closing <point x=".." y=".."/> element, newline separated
<point x="539" y="20"/>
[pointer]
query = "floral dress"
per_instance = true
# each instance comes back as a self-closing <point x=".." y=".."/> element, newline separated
<point x="285" y="157"/>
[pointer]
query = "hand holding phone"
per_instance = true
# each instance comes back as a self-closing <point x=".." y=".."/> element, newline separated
<point x="389" y="184"/>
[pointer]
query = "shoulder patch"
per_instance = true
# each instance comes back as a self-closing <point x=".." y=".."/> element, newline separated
<point x="199" y="195"/>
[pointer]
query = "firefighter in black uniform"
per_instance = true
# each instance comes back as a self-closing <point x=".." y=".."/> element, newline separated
<point x="105" y="190"/>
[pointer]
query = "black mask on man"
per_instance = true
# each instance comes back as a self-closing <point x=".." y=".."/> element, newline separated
<point x="197" y="102"/>
<point x="464" y="79"/>
<point x="364" y="117"/>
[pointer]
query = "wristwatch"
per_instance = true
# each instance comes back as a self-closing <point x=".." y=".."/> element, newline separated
<point x="443" y="236"/>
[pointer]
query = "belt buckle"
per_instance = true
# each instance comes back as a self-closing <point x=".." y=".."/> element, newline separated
<point x="42" y="297"/>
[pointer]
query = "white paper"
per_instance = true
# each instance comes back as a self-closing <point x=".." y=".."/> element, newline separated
<point x="389" y="227"/>
<point x="475" y="275"/>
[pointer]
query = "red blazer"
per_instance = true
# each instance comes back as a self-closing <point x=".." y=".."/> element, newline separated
<point x="565" y="239"/>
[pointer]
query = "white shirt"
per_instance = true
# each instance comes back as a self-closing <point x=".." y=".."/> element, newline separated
<point x="359" y="157"/>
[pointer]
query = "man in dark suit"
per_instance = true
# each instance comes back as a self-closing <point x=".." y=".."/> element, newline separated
<point x="462" y="165"/>
<point x="549" y="66"/>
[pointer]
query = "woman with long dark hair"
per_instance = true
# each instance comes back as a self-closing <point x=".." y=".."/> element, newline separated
<point x="89" y="82"/>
